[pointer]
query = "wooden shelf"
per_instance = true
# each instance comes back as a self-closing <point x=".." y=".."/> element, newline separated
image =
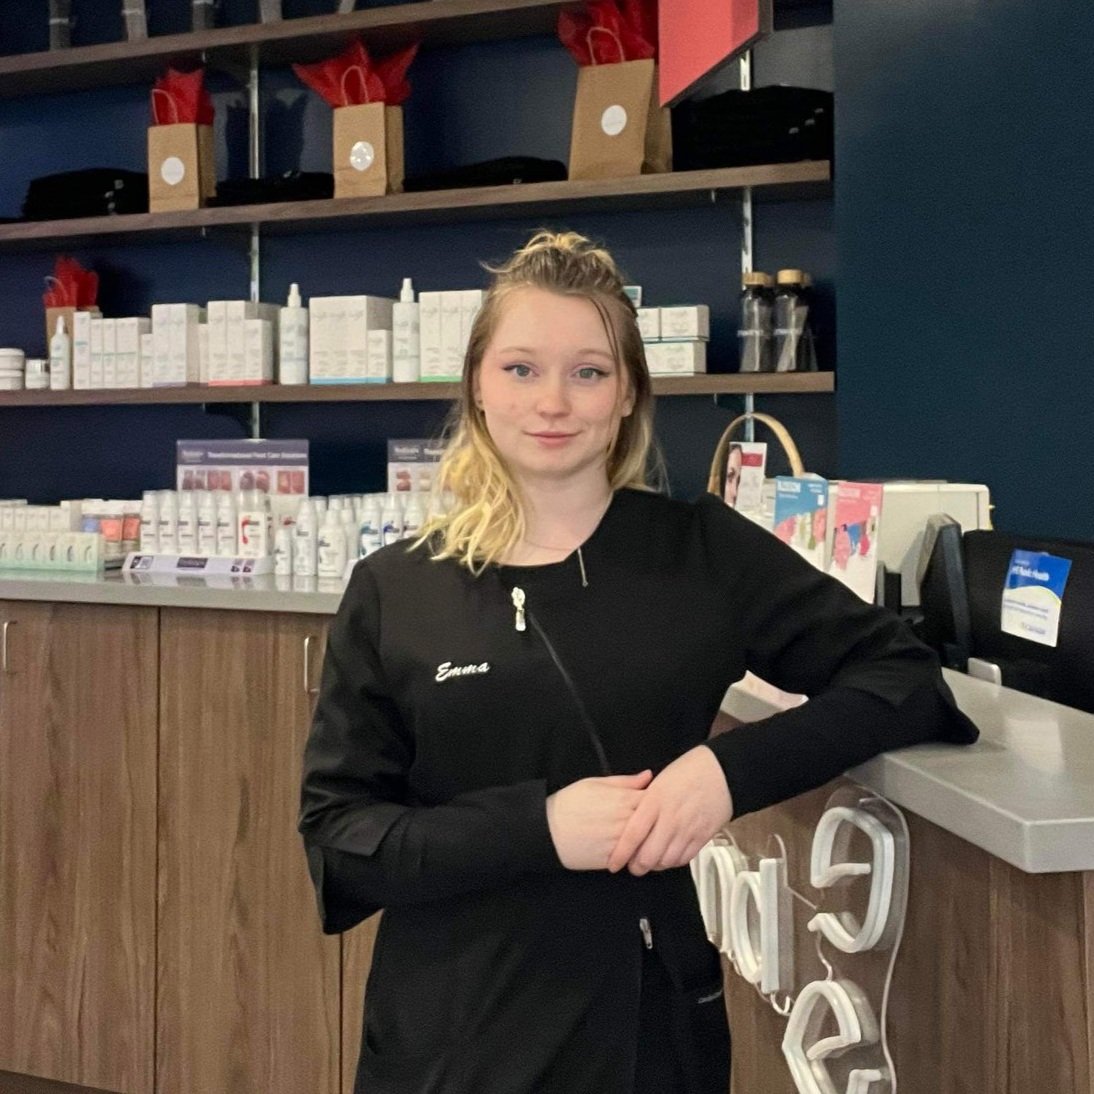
<point x="432" y="22"/>
<point x="771" y="383"/>
<point x="674" y="189"/>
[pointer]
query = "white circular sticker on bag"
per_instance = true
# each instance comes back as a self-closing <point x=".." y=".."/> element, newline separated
<point x="172" y="170"/>
<point x="362" y="156"/>
<point x="614" y="120"/>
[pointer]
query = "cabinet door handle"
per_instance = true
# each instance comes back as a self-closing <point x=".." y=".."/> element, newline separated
<point x="4" y="666"/>
<point x="308" y="689"/>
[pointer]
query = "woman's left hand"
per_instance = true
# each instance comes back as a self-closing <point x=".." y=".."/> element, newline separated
<point x="679" y="812"/>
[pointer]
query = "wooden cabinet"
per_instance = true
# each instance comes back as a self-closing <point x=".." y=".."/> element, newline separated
<point x="77" y="843"/>
<point x="249" y="989"/>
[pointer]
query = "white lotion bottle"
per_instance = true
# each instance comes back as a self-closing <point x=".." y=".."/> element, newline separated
<point x="283" y="550"/>
<point x="227" y="533"/>
<point x="413" y="517"/>
<point x="406" y="337"/>
<point x="304" y="540"/>
<point x="331" y="546"/>
<point x="293" y="340"/>
<point x="207" y="524"/>
<point x="349" y="530"/>
<point x="369" y="533"/>
<point x="150" y="522"/>
<point x="60" y="358"/>
<point x="391" y="520"/>
<point x="187" y="534"/>
<point x="169" y="528"/>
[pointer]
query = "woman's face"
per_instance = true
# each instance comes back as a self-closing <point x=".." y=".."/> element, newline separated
<point x="549" y="387"/>
<point x="733" y="475"/>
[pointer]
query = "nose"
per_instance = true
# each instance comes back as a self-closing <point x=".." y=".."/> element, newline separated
<point x="553" y="399"/>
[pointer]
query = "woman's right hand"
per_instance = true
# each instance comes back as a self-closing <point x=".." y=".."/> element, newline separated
<point x="587" y="817"/>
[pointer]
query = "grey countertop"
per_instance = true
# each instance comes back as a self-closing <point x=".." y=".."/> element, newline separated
<point x="1024" y="792"/>
<point x="316" y="596"/>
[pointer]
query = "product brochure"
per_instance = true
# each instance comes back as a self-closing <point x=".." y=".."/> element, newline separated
<point x="856" y="518"/>
<point x="744" y="480"/>
<point x="801" y="515"/>
<point x="1034" y="596"/>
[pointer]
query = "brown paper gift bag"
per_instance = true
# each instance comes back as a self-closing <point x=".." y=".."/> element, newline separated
<point x="181" y="172"/>
<point x="368" y="150"/>
<point x="619" y="129"/>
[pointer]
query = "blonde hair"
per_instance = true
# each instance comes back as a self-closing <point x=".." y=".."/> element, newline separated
<point x="481" y="517"/>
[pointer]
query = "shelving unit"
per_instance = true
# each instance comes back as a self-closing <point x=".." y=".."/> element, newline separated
<point x="771" y="383"/>
<point x="771" y="182"/>
<point x="432" y="22"/>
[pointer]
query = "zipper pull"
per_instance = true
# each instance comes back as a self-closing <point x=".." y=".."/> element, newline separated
<point x="518" y="603"/>
<point x="647" y="932"/>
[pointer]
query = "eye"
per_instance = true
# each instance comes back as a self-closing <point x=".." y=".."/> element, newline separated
<point x="521" y="371"/>
<point x="590" y="372"/>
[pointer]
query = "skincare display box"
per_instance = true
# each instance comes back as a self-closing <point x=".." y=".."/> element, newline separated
<point x="339" y="329"/>
<point x="411" y="464"/>
<point x="676" y="358"/>
<point x="445" y="321"/>
<point x="278" y="468"/>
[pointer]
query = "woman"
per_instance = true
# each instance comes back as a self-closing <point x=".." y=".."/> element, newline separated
<point x="509" y="751"/>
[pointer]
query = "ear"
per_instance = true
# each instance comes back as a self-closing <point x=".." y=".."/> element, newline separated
<point x="627" y="409"/>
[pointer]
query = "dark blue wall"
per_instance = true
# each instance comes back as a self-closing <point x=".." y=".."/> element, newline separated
<point x="469" y="103"/>
<point x="965" y="220"/>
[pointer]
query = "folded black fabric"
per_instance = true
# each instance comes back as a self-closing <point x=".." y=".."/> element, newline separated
<point x="765" y="125"/>
<point x="291" y="186"/>
<point x="92" y="192"/>
<point x="499" y="172"/>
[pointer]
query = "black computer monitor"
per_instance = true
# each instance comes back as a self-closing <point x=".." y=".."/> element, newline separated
<point x="1064" y="672"/>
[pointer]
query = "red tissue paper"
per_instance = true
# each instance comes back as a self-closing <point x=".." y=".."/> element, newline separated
<point x="353" y="78"/>
<point x="181" y="97"/>
<point x="71" y="286"/>
<point x="608" y="32"/>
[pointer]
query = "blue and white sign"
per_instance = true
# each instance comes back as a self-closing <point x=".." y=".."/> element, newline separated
<point x="1034" y="596"/>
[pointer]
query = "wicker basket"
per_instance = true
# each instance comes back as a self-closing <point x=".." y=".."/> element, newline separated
<point x="721" y="450"/>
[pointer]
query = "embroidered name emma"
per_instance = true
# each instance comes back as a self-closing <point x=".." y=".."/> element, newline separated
<point x="447" y="670"/>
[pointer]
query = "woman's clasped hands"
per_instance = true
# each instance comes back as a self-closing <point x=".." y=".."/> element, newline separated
<point x="638" y="821"/>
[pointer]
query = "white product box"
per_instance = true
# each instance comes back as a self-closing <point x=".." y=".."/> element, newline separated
<point x="411" y="465"/>
<point x="470" y="303"/>
<point x="128" y="333"/>
<point x="237" y="314"/>
<point x="686" y="322"/>
<point x="110" y="353"/>
<point x="429" y="330"/>
<point x="676" y="358"/>
<point x="184" y="363"/>
<point x="217" y="322"/>
<point x="161" y="343"/>
<point x="203" y="353"/>
<point x="380" y="356"/>
<point x="319" y="357"/>
<point x="649" y="324"/>
<point x="452" y="334"/>
<point x="258" y="358"/>
<point x="338" y="342"/>
<point x="81" y="350"/>
<point x="95" y="338"/>
<point x="148" y="360"/>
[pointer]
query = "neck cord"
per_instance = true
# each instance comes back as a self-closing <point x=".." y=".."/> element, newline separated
<point x="580" y="559"/>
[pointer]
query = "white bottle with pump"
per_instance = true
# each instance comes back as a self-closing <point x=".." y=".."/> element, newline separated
<point x="60" y="358"/>
<point x="227" y="532"/>
<point x="331" y="546"/>
<point x="369" y="532"/>
<point x="391" y="520"/>
<point x="304" y="540"/>
<point x="207" y="524"/>
<point x="349" y="530"/>
<point x="293" y="340"/>
<point x="406" y="338"/>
